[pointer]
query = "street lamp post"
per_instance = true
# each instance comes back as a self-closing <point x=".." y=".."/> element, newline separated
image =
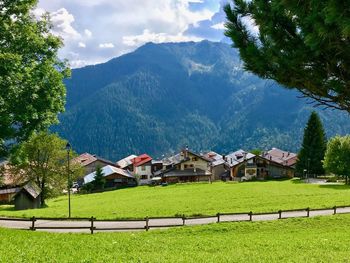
<point x="308" y="169"/>
<point x="68" y="148"/>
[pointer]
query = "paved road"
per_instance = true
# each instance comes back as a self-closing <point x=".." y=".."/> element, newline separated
<point x="105" y="226"/>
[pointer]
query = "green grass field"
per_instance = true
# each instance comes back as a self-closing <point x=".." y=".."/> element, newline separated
<point x="322" y="239"/>
<point x="194" y="199"/>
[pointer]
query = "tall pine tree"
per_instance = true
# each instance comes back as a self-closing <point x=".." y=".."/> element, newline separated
<point x="99" y="181"/>
<point x="313" y="148"/>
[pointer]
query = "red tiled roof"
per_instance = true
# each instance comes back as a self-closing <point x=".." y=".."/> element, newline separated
<point x="142" y="159"/>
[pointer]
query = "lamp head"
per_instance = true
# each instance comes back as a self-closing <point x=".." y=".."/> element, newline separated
<point x="68" y="146"/>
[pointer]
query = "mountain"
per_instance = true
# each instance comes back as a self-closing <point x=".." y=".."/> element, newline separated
<point x="162" y="97"/>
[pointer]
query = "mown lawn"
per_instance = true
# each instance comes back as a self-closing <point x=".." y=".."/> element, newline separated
<point x="194" y="199"/>
<point x="322" y="239"/>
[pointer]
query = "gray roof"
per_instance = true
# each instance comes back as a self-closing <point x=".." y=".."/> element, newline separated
<point x="125" y="162"/>
<point x="215" y="158"/>
<point x="238" y="157"/>
<point x="108" y="170"/>
<point x="9" y="191"/>
<point x="32" y="189"/>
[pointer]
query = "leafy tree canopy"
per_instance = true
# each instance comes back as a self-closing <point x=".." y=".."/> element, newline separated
<point x="313" y="147"/>
<point x="43" y="160"/>
<point x="337" y="157"/>
<point x="31" y="88"/>
<point x="300" y="44"/>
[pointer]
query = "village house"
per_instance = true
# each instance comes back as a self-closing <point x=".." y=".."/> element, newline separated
<point x="126" y="163"/>
<point x="9" y="184"/>
<point x="217" y="165"/>
<point x="282" y="157"/>
<point x="115" y="177"/>
<point x="186" y="166"/>
<point x="142" y="168"/>
<point x="246" y="166"/>
<point x="90" y="162"/>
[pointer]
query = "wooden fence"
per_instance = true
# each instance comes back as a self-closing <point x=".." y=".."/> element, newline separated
<point x="92" y="227"/>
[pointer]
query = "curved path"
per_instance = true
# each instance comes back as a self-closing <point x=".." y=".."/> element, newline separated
<point x="84" y="226"/>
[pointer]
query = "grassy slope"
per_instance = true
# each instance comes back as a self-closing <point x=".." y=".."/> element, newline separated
<point x="323" y="239"/>
<point x="191" y="199"/>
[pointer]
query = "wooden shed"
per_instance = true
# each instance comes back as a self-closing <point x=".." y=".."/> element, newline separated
<point x="28" y="197"/>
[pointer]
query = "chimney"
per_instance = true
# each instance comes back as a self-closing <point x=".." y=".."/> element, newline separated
<point x="186" y="151"/>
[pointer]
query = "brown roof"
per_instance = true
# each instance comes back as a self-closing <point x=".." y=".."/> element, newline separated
<point x="8" y="175"/>
<point x="281" y="157"/>
<point x="87" y="158"/>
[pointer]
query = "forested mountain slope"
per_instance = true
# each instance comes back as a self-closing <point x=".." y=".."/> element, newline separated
<point x="163" y="96"/>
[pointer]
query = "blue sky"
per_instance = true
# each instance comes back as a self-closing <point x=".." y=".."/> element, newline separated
<point x="95" y="31"/>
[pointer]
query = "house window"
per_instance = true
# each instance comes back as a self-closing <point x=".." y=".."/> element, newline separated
<point x="144" y="177"/>
<point x="194" y="159"/>
<point x="143" y="168"/>
<point x="185" y="166"/>
<point x="191" y="165"/>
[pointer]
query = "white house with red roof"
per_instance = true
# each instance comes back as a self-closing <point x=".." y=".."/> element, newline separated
<point x="143" y="168"/>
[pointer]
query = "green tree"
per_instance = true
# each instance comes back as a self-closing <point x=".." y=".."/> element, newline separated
<point x="313" y="147"/>
<point x="300" y="44"/>
<point x="337" y="157"/>
<point x="32" y="92"/>
<point x="43" y="160"/>
<point x="99" y="180"/>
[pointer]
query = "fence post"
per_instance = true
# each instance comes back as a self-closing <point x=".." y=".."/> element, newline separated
<point x="92" y="225"/>
<point x="218" y="216"/>
<point x="308" y="212"/>
<point x="280" y="214"/>
<point x="33" y="223"/>
<point x="335" y="210"/>
<point x="183" y="219"/>
<point x="250" y="216"/>
<point x="147" y="226"/>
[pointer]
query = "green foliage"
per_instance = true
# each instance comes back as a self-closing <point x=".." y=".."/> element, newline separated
<point x="337" y="157"/>
<point x="313" y="148"/>
<point x="31" y="88"/>
<point x="194" y="199"/>
<point x="314" y="240"/>
<point x="256" y="151"/>
<point x="99" y="180"/>
<point x="43" y="160"/>
<point x="158" y="99"/>
<point x="300" y="44"/>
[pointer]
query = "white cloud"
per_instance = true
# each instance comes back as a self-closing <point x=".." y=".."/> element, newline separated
<point x="109" y="28"/>
<point x="88" y="33"/>
<point x="106" y="45"/>
<point x="82" y="45"/>
<point x="219" y="26"/>
<point x="62" y="24"/>
<point x="148" y="36"/>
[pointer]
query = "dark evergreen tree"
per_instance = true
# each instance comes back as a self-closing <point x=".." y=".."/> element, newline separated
<point x="100" y="181"/>
<point x="300" y="44"/>
<point x="313" y="148"/>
